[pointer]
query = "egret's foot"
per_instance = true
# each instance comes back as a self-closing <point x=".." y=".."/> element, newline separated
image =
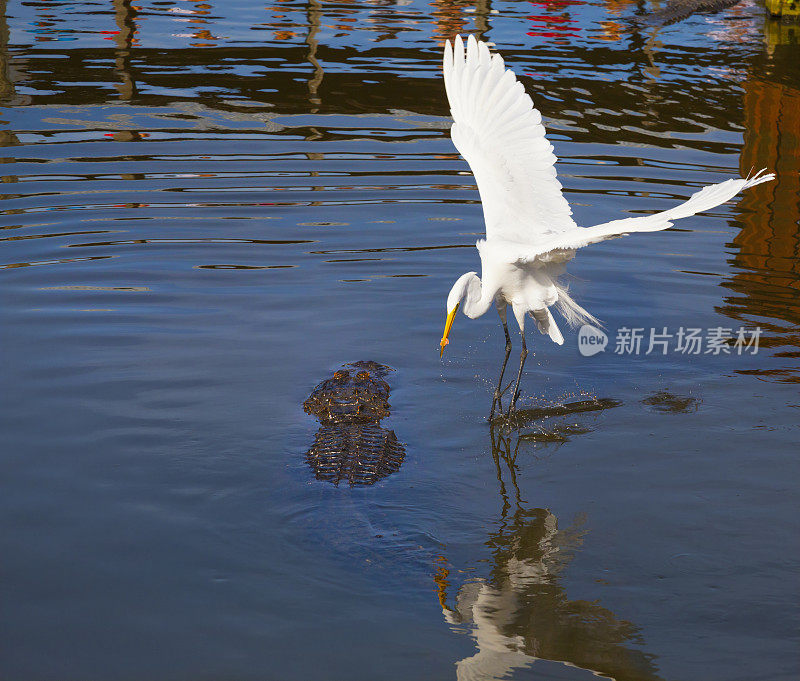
<point x="512" y="408"/>
<point x="497" y="402"/>
<point x="504" y="390"/>
<point x="498" y="394"/>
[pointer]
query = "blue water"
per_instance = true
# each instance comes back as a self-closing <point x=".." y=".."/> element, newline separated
<point x="208" y="207"/>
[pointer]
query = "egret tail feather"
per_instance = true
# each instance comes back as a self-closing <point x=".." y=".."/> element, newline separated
<point x="573" y="313"/>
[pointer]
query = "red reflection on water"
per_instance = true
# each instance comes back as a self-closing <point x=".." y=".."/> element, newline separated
<point x="557" y="22"/>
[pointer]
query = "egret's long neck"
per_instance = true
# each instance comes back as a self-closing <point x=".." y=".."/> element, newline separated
<point x="478" y="298"/>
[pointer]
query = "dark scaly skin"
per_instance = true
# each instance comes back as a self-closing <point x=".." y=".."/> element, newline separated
<point x="356" y="393"/>
<point x="350" y="444"/>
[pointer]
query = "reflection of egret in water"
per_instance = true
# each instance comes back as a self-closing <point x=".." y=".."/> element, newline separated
<point x="520" y="613"/>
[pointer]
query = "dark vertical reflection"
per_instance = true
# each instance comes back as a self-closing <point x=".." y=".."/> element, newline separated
<point x="313" y="16"/>
<point x="643" y="47"/>
<point x="482" y="10"/>
<point x="7" y="95"/>
<point x="766" y="279"/>
<point x="650" y="49"/>
<point x="450" y="17"/>
<point x="10" y="73"/>
<point x="521" y="613"/>
<point x="6" y="87"/>
<point x="124" y="15"/>
<point x="779" y="33"/>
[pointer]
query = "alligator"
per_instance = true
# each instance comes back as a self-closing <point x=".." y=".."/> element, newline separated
<point x="350" y="443"/>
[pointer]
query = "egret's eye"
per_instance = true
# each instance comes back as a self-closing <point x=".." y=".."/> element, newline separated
<point x="530" y="234"/>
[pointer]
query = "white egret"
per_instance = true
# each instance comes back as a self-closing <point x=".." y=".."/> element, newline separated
<point x="530" y="234"/>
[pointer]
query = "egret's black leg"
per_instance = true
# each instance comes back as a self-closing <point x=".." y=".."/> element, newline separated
<point x="496" y="402"/>
<point x="522" y="357"/>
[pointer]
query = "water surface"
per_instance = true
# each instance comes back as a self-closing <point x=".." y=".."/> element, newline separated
<point x="208" y="207"/>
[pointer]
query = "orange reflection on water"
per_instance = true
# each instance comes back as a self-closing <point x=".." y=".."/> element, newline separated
<point x="449" y="17"/>
<point x="769" y="243"/>
<point x="197" y="17"/>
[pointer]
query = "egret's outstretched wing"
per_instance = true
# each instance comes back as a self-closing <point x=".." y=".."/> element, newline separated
<point x="705" y="199"/>
<point x="500" y="134"/>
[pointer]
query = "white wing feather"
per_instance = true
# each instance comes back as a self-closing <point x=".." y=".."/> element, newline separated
<point x="500" y="134"/>
<point x="705" y="199"/>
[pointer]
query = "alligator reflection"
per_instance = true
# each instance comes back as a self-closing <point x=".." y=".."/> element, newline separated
<point x="350" y="444"/>
<point x="520" y="613"/>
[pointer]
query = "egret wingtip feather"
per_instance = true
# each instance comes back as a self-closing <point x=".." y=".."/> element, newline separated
<point x="530" y="232"/>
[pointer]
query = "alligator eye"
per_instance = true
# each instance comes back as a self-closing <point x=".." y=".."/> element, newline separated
<point x="341" y="376"/>
<point x="362" y="376"/>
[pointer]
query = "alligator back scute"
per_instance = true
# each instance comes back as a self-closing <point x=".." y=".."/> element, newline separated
<point x="361" y="454"/>
<point x="350" y="444"/>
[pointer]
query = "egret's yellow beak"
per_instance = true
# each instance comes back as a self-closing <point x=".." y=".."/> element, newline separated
<point x="447" y="325"/>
